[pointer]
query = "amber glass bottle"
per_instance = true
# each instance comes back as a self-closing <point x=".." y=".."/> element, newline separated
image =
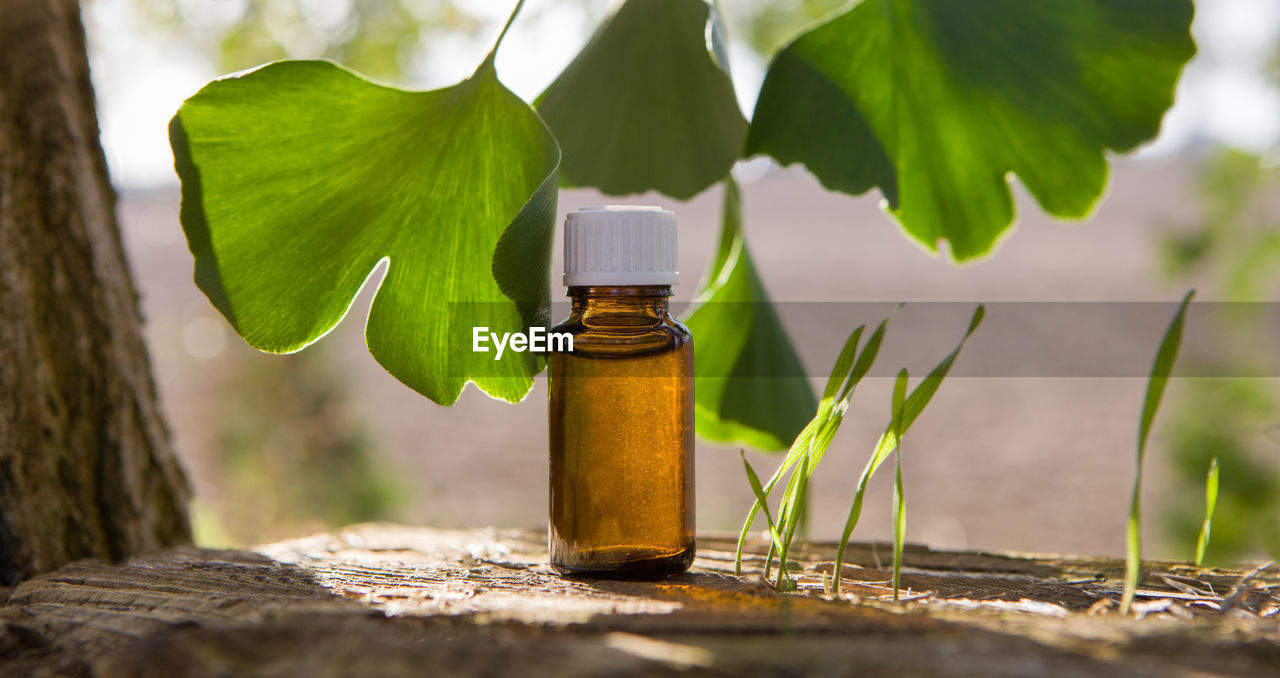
<point x="621" y="403"/>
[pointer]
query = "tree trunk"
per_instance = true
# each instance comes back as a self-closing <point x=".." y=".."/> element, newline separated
<point x="86" y="467"/>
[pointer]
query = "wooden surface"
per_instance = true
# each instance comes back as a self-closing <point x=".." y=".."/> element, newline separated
<point x="388" y="600"/>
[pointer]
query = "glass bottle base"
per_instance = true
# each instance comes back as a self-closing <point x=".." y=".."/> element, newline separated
<point x="612" y="564"/>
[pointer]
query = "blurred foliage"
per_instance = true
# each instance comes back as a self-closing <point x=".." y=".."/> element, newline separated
<point x="380" y="37"/>
<point x="291" y="455"/>
<point x="1237" y="239"/>
<point x="376" y="37"/>
<point x="1272" y="69"/>
<point x="1233" y="251"/>
<point x="767" y="25"/>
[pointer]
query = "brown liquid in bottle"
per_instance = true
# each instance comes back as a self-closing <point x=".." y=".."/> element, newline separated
<point x="621" y="423"/>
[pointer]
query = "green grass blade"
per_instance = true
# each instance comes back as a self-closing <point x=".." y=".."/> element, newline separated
<point x="795" y="494"/>
<point x="793" y="509"/>
<point x="801" y="442"/>
<point x="899" y="400"/>
<point x="861" y="366"/>
<point x="855" y="511"/>
<point x="899" y="497"/>
<point x="888" y="441"/>
<point x="924" y="392"/>
<point x="798" y="448"/>
<point x="840" y="371"/>
<point x="867" y="357"/>
<point x="757" y="490"/>
<point x="1160" y="370"/>
<point x="899" y="524"/>
<point x="787" y="515"/>
<point x="794" y="497"/>
<point x="1210" y="501"/>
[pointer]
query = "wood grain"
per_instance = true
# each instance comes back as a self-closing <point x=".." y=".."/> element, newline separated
<point x="389" y="600"/>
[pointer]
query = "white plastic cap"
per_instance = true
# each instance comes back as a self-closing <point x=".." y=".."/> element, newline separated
<point x="620" y="245"/>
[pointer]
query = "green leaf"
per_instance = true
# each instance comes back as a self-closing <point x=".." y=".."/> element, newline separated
<point x="750" y="386"/>
<point x="300" y="177"/>
<point x="937" y="101"/>
<point x="1210" y="502"/>
<point x="1160" y="371"/>
<point x="648" y="104"/>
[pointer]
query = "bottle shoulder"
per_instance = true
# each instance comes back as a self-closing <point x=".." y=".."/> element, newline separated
<point x="625" y="339"/>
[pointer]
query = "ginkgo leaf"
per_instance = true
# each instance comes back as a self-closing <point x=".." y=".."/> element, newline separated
<point x="648" y="103"/>
<point x="936" y="102"/>
<point x="300" y="177"/>
<point x="750" y="386"/>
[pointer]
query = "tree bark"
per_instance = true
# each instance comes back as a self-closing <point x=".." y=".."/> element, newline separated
<point x="86" y="467"/>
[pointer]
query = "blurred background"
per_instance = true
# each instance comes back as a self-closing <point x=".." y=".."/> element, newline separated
<point x="279" y="445"/>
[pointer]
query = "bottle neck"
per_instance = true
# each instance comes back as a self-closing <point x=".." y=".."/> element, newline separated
<point x="625" y="300"/>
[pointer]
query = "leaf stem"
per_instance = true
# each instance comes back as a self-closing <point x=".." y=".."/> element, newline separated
<point x="510" y="19"/>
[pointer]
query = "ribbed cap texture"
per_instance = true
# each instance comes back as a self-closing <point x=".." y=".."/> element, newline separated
<point x="620" y="245"/>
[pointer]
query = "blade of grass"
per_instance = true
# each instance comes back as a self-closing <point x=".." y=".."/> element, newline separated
<point x="804" y="441"/>
<point x="789" y="523"/>
<point x="1210" y="501"/>
<point x="796" y="496"/>
<point x="868" y="356"/>
<point x="899" y="497"/>
<point x="1160" y="370"/>
<point x="802" y="525"/>
<point x="825" y="424"/>
<point x="793" y="496"/>
<point x="788" y="494"/>
<point x="925" y="391"/>
<point x="888" y="441"/>
<point x="840" y="371"/>
<point x="754" y="480"/>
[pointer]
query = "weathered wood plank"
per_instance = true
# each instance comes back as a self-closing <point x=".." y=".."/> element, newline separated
<point x="390" y="600"/>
